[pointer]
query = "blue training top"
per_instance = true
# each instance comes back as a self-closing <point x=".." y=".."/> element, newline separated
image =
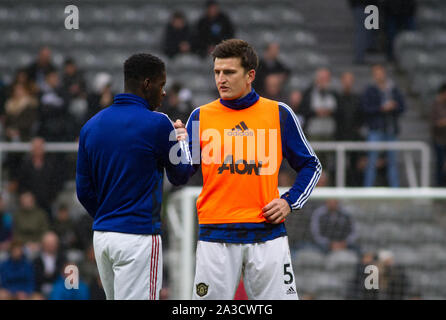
<point x="123" y="151"/>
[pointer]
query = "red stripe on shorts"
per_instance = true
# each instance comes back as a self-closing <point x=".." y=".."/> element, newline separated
<point x="151" y="269"/>
<point x="156" y="267"/>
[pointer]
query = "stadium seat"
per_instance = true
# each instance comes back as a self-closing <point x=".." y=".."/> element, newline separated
<point x="308" y="259"/>
<point x="406" y="257"/>
<point x="345" y="260"/>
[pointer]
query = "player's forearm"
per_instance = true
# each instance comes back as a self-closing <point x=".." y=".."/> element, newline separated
<point x="86" y="195"/>
<point x="304" y="184"/>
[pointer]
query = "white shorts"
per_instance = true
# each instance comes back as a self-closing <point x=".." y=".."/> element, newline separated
<point x="265" y="268"/>
<point x="130" y="265"/>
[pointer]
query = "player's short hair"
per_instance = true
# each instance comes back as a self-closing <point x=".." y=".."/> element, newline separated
<point x="141" y="66"/>
<point x="236" y="48"/>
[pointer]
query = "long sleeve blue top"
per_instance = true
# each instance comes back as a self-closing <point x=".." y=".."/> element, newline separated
<point x="123" y="152"/>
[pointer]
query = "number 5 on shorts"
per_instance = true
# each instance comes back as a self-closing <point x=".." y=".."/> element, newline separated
<point x="287" y="273"/>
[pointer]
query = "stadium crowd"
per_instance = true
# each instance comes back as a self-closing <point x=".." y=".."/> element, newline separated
<point x="39" y="236"/>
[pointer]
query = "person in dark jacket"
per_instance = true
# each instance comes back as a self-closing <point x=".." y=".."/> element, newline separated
<point x="177" y="36"/>
<point x="212" y="28"/>
<point x="16" y="275"/>
<point x="48" y="263"/>
<point x="333" y="228"/>
<point x="382" y="104"/>
<point x="123" y="153"/>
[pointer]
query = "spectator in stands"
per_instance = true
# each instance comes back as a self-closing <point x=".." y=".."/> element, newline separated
<point x="398" y="15"/>
<point x="357" y="289"/>
<point x="349" y="123"/>
<point x="333" y="228"/>
<point x="270" y="64"/>
<point x="75" y="95"/>
<point x="177" y="104"/>
<point x="363" y="38"/>
<point x="102" y="95"/>
<point x="73" y="82"/>
<point x="5" y="226"/>
<point x="212" y="28"/>
<point x="177" y="36"/>
<point x="22" y="77"/>
<point x="438" y="125"/>
<point x="319" y="105"/>
<point x="295" y="103"/>
<point x="273" y="87"/>
<point x="53" y="110"/>
<point x="60" y="291"/>
<point x="382" y="104"/>
<point x="21" y="114"/>
<point x="41" y="174"/>
<point x="48" y="263"/>
<point x="64" y="228"/>
<point x="30" y="223"/>
<point x="38" y="70"/>
<point x="348" y="115"/>
<point x="16" y="275"/>
<point x="393" y="280"/>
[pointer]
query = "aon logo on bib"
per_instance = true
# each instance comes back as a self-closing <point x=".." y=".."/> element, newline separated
<point x="240" y="166"/>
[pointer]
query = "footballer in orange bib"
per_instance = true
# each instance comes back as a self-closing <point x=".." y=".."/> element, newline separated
<point x="240" y="141"/>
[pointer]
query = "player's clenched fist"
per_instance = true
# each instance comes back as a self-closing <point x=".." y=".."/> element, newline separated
<point x="276" y="210"/>
<point x="180" y="130"/>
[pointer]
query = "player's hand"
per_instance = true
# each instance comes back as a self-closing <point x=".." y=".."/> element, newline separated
<point x="180" y="130"/>
<point x="276" y="210"/>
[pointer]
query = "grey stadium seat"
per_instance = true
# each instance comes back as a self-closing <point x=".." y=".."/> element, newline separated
<point x="341" y="260"/>
<point x="306" y="258"/>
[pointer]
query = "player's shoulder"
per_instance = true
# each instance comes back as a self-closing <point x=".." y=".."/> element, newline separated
<point x="163" y="119"/>
<point x="211" y="104"/>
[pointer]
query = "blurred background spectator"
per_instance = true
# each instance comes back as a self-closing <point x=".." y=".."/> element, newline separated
<point x="438" y="125"/>
<point x="382" y="104"/>
<point x="364" y="39"/>
<point x="319" y="105"/>
<point x="295" y="102"/>
<point x="333" y="228"/>
<point x="270" y="64"/>
<point x="43" y="65"/>
<point x="393" y="281"/>
<point x="177" y="36"/>
<point x="213" y="27"/>
<point x="47" y="264"/>
<point x="101" y="95"/>
<point x="357" y="290"/>
<point x="61" y="292"/>
<point x="29" y="224"/>
<point x="5" y="227"/>
<point x="349" y="125"/>
<point x="41" y="174"/>
<point x="21" y="114"/>
<point x="398" y="15"/>
<point x="177" y="103"/>
<point x="16" y="275"/>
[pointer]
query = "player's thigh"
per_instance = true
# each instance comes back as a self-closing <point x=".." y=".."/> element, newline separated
<point x="104" y="263"/>
<point x="268" y="272"/>
<point x="137" y="265"/>
<point x="217" y="270"/>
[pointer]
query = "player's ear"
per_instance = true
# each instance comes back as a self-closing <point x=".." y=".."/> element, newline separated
<point x="251" y="75"/>
<point x="146" y="84"/>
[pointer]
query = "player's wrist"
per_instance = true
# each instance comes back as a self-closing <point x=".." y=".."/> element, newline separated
<point x="288" y="201"/>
